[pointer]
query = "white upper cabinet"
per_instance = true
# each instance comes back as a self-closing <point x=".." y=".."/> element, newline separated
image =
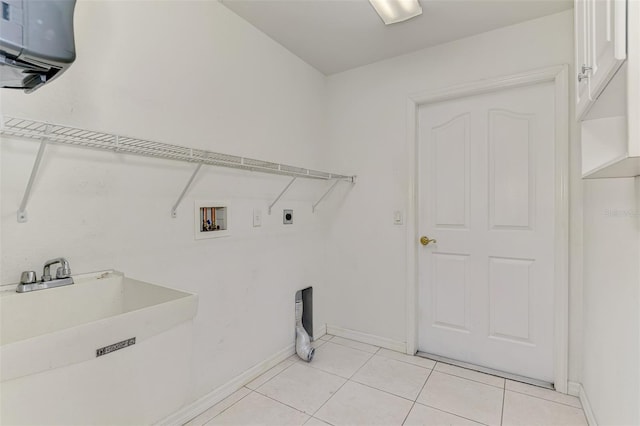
<point x="608" y="86"/>
<point x="601" y="47"/>
<point x="608" y="41"/>
<point x="581" y="12"/>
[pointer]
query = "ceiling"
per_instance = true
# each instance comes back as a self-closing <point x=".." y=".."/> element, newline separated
<point x="336" y="35"/>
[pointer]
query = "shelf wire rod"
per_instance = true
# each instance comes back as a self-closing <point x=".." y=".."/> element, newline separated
<point x="60" y="134"/>
<point x="22" y="210"/>
<point x="328" y="191"/>
<point x="174" y="210"/>
<point x="40" y="127"/>
<point x="286" y="188"/>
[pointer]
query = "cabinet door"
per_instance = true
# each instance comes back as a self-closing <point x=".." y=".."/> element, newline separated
<point x="607" y="31"/>
<point x="581" y="17"/>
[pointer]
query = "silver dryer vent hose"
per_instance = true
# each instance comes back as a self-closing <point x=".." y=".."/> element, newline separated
<point x="303" y="342"/>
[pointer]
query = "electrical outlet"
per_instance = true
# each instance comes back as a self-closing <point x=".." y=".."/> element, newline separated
<point x="257" y="218"/>
<point x="287" y="217"/>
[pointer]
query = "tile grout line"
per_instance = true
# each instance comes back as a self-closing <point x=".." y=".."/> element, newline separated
<point x="504" y="393"/>
<point x="417" y="396"/>
<point x="208" y="421"/>
<point x="504" y="388"/>
<point x="352" y="379"/>
<point x="430" y="370"/>
<point x="351" y="347"/>
<point x="545" y="399"/>
<point x="250" y="390"/>
<point x="286" y="405"/>
<point x="472" y="380"/>
<point x="407" y="362"/>
<point x="349" y="378"/>
<point x="385" y="391"/>
<point x="322" y="342"/>
<point x="453" y="414"/>
<point x="329" y="399"/>
<point x="391" y="393"/>
<point x="440" y="409"/>
<point x="308" y="364"/>
<point x="345" y="382"/>
<point x="304" y="364"/>
<point x="323" y="421"/>
<point x="485" y="371"/>
<point x="270" y="379"/>
<point x="360" y="368"/>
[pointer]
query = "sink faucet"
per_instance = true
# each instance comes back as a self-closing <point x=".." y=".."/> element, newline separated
<point x="63" y="277"/>
<point x="64" y="271"/>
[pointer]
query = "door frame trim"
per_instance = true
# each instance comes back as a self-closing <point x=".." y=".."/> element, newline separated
<point x="559" y="75"/>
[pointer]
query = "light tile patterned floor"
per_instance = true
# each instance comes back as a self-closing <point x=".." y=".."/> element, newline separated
<point x="352" y="383"/>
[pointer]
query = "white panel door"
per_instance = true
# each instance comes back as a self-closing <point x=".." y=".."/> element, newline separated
<point x="486" y="194"/>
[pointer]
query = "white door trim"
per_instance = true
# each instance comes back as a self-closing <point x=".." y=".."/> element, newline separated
<point x="559" y="76"/>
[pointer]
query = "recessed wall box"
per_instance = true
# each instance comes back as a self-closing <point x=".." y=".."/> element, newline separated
<point x="287" y="217"/>
<point x="211" y="219"/>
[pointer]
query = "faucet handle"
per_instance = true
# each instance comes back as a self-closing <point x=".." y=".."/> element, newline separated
<point x="28" y="277"/>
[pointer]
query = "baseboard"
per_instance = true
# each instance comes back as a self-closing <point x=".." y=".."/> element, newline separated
<point x="586" y="407"/>
<point x="192" y="410"/>
<point x="573" y="389"/>
<point x="318" y="332"/>
<point x="371" y="339"/>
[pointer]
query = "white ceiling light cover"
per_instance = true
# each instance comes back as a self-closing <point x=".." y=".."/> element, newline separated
<point x="394" y="11"/>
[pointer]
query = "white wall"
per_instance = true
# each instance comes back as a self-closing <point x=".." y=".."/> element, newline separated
<point x="189" y="73"/>
<point x="367" y="119"/>
<point x="367" y="134"/>
<point x="249" y="96"/>
<point x="611" y="365"/>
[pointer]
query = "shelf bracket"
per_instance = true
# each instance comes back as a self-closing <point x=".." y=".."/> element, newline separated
<point x="286" y="188"/>
<point x="174" y="210"/>
<point x="313" y="209"/>
<point x="22" y="210"/>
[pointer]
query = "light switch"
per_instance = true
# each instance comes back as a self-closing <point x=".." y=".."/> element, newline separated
<point x="257" y="218"/>
<point x="398" y="217"/>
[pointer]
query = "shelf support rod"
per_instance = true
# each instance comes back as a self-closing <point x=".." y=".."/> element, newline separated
<point x="286" y="188"/>
<point x="313" y="209"/>
<point x="174" y="210"/>
<point x="22" y="210"/>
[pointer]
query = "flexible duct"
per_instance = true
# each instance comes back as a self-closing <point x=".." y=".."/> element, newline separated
<point x="303" y="342"/>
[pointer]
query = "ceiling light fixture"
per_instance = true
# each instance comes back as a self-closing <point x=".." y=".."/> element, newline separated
<point x="394" y="11"/>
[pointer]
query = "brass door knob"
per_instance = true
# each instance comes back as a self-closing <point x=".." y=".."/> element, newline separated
<point x="425" y="241"/>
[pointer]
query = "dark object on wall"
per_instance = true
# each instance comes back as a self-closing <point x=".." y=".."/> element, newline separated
<point x="36" y="42"/>
<point x="304" y="324"/>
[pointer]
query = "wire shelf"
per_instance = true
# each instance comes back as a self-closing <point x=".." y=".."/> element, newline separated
<point x="66" y="135"/>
